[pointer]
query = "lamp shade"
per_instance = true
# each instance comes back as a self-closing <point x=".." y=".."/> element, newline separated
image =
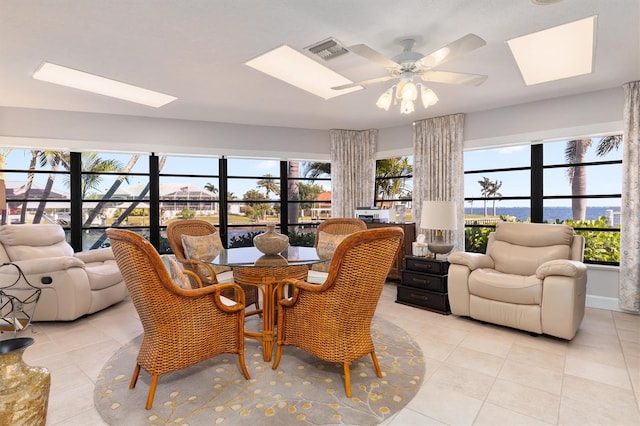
<point x="438" y="215"/>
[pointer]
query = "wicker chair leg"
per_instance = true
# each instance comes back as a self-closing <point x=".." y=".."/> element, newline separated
<point x="134" y="377"/>
<point x="243" y="366"/>
<point x="347" y="380"/>
<point x="152" y="391"/>
<point x="375" y="364"/>
<point x="276" y="361"/>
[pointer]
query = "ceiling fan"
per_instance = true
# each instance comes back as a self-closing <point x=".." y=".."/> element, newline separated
<point x="410" y="64"/>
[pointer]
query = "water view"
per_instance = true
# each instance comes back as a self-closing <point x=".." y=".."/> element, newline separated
<point x="552" y="213"/>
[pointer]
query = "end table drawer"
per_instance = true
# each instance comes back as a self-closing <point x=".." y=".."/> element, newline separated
<point x="438" y="302"/>
<point x="427" y="265"/>
<point x="425" y="281"/>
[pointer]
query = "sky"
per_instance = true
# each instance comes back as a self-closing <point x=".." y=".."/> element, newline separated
<point x="605" y="179"/>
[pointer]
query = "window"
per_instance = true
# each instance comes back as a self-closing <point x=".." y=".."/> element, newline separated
<point x="574" y="182"/>
<point x="37" y="186"/>
<point x="394" y="185"/>
<point x="114" y="192"/>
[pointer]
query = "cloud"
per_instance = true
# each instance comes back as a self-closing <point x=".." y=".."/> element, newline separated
<point x="512" y="149"/>
<point x="268" y="165"/>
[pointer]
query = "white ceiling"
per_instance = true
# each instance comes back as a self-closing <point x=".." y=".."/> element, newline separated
<point x="196" y="50"/>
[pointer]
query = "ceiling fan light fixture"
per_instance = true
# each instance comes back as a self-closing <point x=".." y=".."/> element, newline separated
<point x="429" y="98"/>
<point x="384" y="101"/>
<point x="409" y="92"/>
<point x="407" y="106"/>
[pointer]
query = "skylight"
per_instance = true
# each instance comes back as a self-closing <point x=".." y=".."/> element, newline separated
<point x="295" y="68"/>
<point x="555" y="53"/>
<point x="64" y="76"/>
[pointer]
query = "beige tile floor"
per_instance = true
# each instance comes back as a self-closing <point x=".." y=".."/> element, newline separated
<point x="476" y="373"/>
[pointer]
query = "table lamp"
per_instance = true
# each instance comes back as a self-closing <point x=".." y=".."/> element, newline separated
<point x="439" y="215"/>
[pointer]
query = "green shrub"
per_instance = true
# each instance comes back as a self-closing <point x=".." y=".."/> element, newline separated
<point x="187" y="213"/>
<point x="304" y="239"/>
<point x="476" y="238"/>
<point x="244" y="240"/>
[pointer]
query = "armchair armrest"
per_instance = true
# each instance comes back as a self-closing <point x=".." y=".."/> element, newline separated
<point x="48" y="264"/>
<point x="565" y="268"/>
<point x="97" y="255"/>
<point x="215" y="292"/>
<point x="297" y="285"/>
<point x="472" y="261"/>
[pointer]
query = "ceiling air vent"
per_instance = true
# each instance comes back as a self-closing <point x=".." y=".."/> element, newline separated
<point x="327" y="49"/>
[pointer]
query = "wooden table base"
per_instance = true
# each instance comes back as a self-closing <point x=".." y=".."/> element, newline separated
<point x="266" y="278"/>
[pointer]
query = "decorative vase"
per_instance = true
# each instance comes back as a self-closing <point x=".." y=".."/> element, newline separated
<point x="271" y="260"/>
<point x="271" y="242"/>
<point x="24" y="390"/>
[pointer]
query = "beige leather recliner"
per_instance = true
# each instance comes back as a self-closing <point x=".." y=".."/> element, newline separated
<point x="73" y="284"/>
<point x="531" y="278"/>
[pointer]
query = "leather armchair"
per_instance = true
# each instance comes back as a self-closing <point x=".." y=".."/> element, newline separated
<point x="531" y="278"/>
<point x="73" y="284"/>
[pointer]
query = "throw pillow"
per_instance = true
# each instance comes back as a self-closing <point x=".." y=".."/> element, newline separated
<point x="204" y="248"/>
<point x="327" y="244"/>
<point x="175" y="271"/>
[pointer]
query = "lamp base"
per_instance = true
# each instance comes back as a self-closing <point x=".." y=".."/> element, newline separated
<point x="439" y="246"/>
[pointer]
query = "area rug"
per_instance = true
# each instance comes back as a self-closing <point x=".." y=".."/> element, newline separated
<point x="302" y="390"/>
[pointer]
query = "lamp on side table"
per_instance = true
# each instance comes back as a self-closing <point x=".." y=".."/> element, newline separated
<point x="439" y="215"/>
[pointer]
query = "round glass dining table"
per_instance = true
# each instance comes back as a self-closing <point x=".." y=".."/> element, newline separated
<point x="252" y="267"/>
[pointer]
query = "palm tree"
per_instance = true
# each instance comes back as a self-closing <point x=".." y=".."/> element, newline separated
<point x="485" y="185"/>
<point x="269" y="185"/>
<point x="114" y="187"/>
<point x="391" y="169"/>
<point x="125" y="214"/>
<point x="211" y="188"/>
<point x="293" y="191"/>
<point x="574" y="154"/>
<point x="54" y="159"/>
<point x="493" y="193"/>
<point x="92" y="166"/>
<point x="27" y="189"/>
<point x="315" y="169"/>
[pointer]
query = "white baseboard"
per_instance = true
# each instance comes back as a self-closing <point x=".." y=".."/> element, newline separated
<point x="599" y="302"/>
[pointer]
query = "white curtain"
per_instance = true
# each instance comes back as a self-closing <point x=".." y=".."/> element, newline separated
<point x="629" y="290"/>
<point x="438" y="170"/>
<point x="353" y="170"/>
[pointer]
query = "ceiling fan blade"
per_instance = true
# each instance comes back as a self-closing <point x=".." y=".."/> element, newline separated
<point x="453" y="77"/>
<point x="452" y="50"/>
<point x="365" y="82"/>
<point x="368" y="53"/>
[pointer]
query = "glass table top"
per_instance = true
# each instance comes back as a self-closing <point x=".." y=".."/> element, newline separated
<point x="251" y="256"/>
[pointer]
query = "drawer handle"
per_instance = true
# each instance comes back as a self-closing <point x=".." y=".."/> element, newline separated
<point x="419" y="296"/>
<point x="423" y="266"/>
<point x="421" y="281"/>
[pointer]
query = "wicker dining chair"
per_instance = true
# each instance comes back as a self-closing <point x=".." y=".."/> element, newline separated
<point x="182" y="326"/>
<point x="328" y="235"/>
<point x="333" y="320"/>
<point x="199" y="228"/>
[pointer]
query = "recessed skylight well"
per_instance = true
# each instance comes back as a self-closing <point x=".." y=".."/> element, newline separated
<point x="297" y="69"/>
<point x="69" y="77"/>
<point x="555" y="53"/>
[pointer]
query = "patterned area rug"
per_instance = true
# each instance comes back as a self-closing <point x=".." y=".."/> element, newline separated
<point x="302" y="390"/>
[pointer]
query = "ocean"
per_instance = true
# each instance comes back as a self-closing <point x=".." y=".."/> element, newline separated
<point x="550" y="214"/>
